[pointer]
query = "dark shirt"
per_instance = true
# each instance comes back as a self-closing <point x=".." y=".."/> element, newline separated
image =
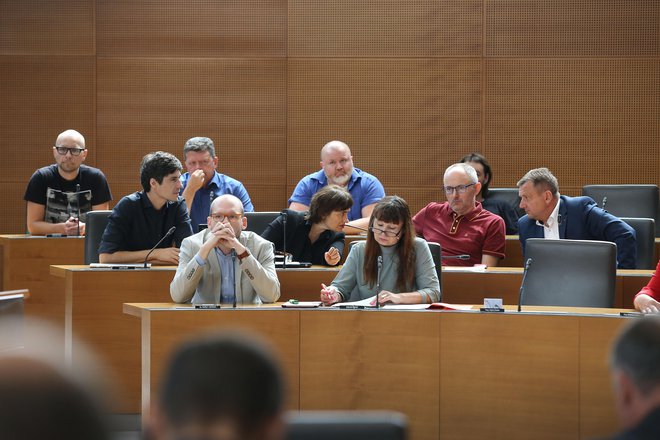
<point x="647" y="429"/>
<point x="506" y="211"/>
<point x="58" y="195"/>
<point x="135" y="225"/>
<point x="297" y="238"/>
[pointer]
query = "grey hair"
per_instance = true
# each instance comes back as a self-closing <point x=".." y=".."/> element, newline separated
<point x="468" y="169"/>
<point x="636" y="352"/>
<point x="199" y="144"/>
<point x="541" y="176"/>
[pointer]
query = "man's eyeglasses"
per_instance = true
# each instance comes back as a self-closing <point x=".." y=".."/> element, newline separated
<point x="74" y="151"/>
<point x="384" y="232"/>
<point x="458" y="189"/>
<point x="231" y="217"/>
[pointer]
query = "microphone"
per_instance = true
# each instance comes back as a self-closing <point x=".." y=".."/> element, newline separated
<point x="528" y="263"/>
<point x="380" y="268"/>
<point x="78" y="204"/>
<point x="284" y="218"/>
<point x="233" y="266"/>
<point x="456" y="257"/>
<point x="604" y="202"/>
<point x="170" y="232"/>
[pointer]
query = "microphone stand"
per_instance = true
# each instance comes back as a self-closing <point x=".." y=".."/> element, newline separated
<point x="522" y="284"/>
<point x="380" y="268"/>
<point x="170" y="232"/>
<point x="233" y="265"/>
<point x="284" y="217"/>
<point x="78" y="204"/>
<point x="455" y="257"/>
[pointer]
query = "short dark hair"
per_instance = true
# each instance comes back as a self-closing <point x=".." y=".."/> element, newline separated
<point x="636" y="352"/>
<point x="156" y="166"/>
<point x="200" y="145"/>
<point x="222" y="377"/>
<point x="480" y="159"/>
<point x="328" y="199"/>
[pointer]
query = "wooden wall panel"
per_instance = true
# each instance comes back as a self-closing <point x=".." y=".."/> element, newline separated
<point x="47" y="27"/>
<point x="157" y="104"/>
<point x="586" y="28"/>
<point x="588" y="120"/>
<point x="41" y="97"/>
<point x="404" y="120"/>
<point x="384" y="28"/>
<point x="194" y="28"/>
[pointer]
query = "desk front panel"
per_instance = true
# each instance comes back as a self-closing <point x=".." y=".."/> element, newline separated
<point x="455" y="375"/>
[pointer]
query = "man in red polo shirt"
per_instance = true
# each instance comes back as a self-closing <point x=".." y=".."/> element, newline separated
<point x="461" y="225"/>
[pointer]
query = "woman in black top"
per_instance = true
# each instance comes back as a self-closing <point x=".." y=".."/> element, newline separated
<point x="315" y="236"/>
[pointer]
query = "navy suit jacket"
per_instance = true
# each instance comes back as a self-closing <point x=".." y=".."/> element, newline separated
<point x="581" y="219"/>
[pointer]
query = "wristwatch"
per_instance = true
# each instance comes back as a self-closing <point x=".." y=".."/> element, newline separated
<point x="243" y="255"/>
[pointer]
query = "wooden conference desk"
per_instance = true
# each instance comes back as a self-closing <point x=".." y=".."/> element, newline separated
<point x="456" y="375"/>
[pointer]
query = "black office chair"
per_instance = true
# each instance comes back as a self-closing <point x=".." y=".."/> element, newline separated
<point x="258" y="221"/>
<point x="645" y="233"/>
<point x="96" y="223"/>
<point x="436" y="254"/>
<point x="346" y="425"/>
<point x="632" y="201"/>
<point x="509" y="195"/>
<point x="570" y="273"/>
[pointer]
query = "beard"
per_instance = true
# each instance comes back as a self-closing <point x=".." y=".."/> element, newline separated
<point x="339" y="180"/>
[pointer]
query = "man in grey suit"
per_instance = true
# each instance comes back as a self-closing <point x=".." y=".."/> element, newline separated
<point x="225" y="263"/>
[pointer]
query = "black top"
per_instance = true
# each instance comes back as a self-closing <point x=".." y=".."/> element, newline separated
<point x="647" y="429"/>
<point x="135" y="225"/>
<point x="506" y="211"/>
<point x="297" y="238"/>
<point x="47" y="187"/>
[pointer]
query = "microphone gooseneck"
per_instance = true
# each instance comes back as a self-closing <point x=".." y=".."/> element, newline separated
<point x="528" y="263"/>
<point x="380" y="268"/>
<point x="284" y="218"/>
<point x="456" y="257"/>
<point x="170" y="232"/>
<point x="78" y="205"/>
<point x="233" y="266"/>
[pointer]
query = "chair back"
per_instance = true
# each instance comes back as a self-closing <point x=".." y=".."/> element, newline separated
<point x="257" y="222"/>
<point x="632" y="201"/>
<point x="645" y="233"/>
<point x="509" y="195"/>
<point x="96" y="223"/>
<point x="346" y="425"/>
<point x="11" y="319"/>
<point x="570" y="273"/>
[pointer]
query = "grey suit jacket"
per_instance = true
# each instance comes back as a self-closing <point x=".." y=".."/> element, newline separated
<point x="256" y="273"/>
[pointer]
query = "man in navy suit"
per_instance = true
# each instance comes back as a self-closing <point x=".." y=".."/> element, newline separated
<point x="550" y="215"/>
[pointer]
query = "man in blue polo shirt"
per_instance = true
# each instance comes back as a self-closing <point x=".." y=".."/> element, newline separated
<point x="337" y="169"/>
<point x="202" y="183"/>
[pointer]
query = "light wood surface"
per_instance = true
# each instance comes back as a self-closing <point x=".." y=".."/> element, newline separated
<point x="456" y="375"/>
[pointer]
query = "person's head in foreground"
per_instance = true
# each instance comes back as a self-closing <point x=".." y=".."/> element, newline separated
<point x="635" y="364"/>
<point x="329" y="208"/>
<point x="226" y="387"/>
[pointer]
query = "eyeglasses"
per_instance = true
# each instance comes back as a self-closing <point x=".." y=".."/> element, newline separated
<point x="74" y="151"/>
<point x="221" y="217"/>
<point x="384" y="232"/>
<point x="458" y="189"/>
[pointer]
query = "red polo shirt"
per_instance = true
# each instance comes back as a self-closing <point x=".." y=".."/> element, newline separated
<point x="479" y="232"/>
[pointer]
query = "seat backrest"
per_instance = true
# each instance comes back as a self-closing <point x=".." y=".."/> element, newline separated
<point x="645" y="233"/>
<point x="570" y="273"/>
<point x="257" y="222"/>
<point x="632" y="201"/>
<point x="509" y="195"/>
<point x="436" y="253"/>
<point x="346" y="425"/>
<point x="96" y="223"/>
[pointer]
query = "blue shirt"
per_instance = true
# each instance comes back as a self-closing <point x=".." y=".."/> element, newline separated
<point x="364" y="188"/>
<point x="219" y="185"/>
<point x="135" y="225"/>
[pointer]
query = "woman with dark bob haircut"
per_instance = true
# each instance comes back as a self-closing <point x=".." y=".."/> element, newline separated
<point x="315" y="236"/>
<point x="408" y="274"/>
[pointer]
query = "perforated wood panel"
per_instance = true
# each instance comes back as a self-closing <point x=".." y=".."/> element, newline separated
<point x="378" y="28"/>
<point x="403" y="119"/>
<point x="47" y="27"/>
<point x="587" y="120"/>
<point x="583" y="28"/>
<point x="192" y="28"/>
<point x="157" y="104"/>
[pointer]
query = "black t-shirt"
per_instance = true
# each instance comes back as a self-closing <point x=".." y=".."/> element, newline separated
<point x="60" y="196"/>
<point x="297" y="238"/>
